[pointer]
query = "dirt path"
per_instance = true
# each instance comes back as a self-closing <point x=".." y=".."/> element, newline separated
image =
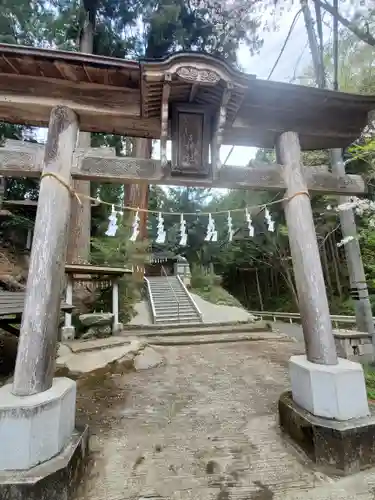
<point x="202" y="427"/>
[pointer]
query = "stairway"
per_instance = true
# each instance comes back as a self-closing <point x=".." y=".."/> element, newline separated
<point x="172" y="302"/>
<point x="205" y="333"/>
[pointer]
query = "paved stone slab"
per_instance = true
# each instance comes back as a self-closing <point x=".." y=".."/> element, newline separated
<point x="203" y="426"/>
<point x="85" y="362"/>
<point x="215" y="338"/>
<point x="148" y="358"/>
<point x="93" y="345"/>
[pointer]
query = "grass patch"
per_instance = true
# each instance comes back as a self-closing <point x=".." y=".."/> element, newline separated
<point x="370" y="381"/>
<point x="208" y="286"/>
<point x="217" y="295"/>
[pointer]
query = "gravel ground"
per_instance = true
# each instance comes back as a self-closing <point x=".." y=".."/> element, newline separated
<point x="203" y="426"/>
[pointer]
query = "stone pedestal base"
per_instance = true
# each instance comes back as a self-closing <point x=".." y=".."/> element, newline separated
<point x="67" y="333"/>
<point x="33" y="429"/>
<point x="55" y="479"/>
<point x="337" y="447"/>
<point x="329" y="391"/>
<point x="117" y="328"/>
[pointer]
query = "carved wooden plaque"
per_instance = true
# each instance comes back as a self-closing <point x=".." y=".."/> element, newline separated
<point x="190" y="140"/>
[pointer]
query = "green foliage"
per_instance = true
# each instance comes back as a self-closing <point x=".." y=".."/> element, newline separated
<point x="118" y="251"/>
<point x="17" y="221"/>
<point x="112" y="20"/>
<point x="207" y="285"/>
<point x="370" y="381"/>
<point x="203" y="25"/>
<point x="24" y="21"/>
<point x="203" y="279"/>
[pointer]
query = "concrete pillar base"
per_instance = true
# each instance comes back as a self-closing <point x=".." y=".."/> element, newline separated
<point x="33" y="429"/>
<point x="117" y="327"/>
<point x="57" y="478"/>
<point x="67" y="333"/>
<point x="343" y="448"/>
<point x="330" y="391"/>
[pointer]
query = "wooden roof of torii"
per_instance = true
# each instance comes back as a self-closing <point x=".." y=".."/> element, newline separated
<point x="124" y="97"/>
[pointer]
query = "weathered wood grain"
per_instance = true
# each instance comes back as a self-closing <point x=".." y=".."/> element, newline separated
<point x="101" y="165"/>
<point x="164" y="119"/>
<point x="83" y="94"/>
<point x="78" y="249"/>
<point x="322" y="118"/>
<point x="96" y="270"/>
<point x="308" y="272"/>
<point x="39" y="328"/>
<point x="218" y="134"/>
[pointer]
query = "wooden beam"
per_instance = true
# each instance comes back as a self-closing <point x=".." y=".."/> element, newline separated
<point x="35" y="363"/>
<point x="99" y="165"/>
<point x="66" y="71"/>
<point x="193" y="92"/>
<point x="164" y="118"/>
<point x="218" y="134"/>
<point x="117" y="110"/>
<point x="81" y="97"/>
<point x="11" y="65"/>
<point x="87" y="73"/>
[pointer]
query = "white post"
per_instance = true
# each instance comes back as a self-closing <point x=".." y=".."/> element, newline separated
<point x="117" y="326"/>
<point x="68" y="331"/>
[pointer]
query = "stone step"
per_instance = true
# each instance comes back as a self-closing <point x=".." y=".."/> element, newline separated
<point x="260" y="325"/>
<point x="197" y="329"/>
<point x="170" y="296"/>
<point x="157" y="287"/>
<point x="174" y="317"/>
<point x="171" y="302"/>
<point x="173" y="320"/>
<point x="174" y="305"/>
<point x="163" y="314"/>
<point x="170" y="340"/>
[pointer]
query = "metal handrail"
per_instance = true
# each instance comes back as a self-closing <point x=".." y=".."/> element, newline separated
<point x="335" y="318"/>
<point x="192" y="301"/>
<point x="149" y="293"/>
<point x="174" y="293"/>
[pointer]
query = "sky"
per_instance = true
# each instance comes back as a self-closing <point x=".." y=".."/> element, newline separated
<point x="295" y="58"/>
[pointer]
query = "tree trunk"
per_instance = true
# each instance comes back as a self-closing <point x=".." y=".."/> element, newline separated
<point x="363" y="35"/>
<point x="326" y="267"/>
<point x="259" y="291"/>
<point x="137" y="194"/>
<point x="335" y="266"/>
<point x="80" y="215"/>
<point x="287" y="275"/>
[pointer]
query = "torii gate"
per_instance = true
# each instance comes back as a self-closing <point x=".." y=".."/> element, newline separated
<point x="201" y="103"/>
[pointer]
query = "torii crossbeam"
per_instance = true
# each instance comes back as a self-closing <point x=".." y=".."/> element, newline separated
<point x="23" y="159"/>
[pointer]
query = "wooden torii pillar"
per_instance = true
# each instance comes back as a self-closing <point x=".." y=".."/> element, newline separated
<point x="322" y="383"/>
<point x="38" y="335"/>
<point x="37" y="412"/>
